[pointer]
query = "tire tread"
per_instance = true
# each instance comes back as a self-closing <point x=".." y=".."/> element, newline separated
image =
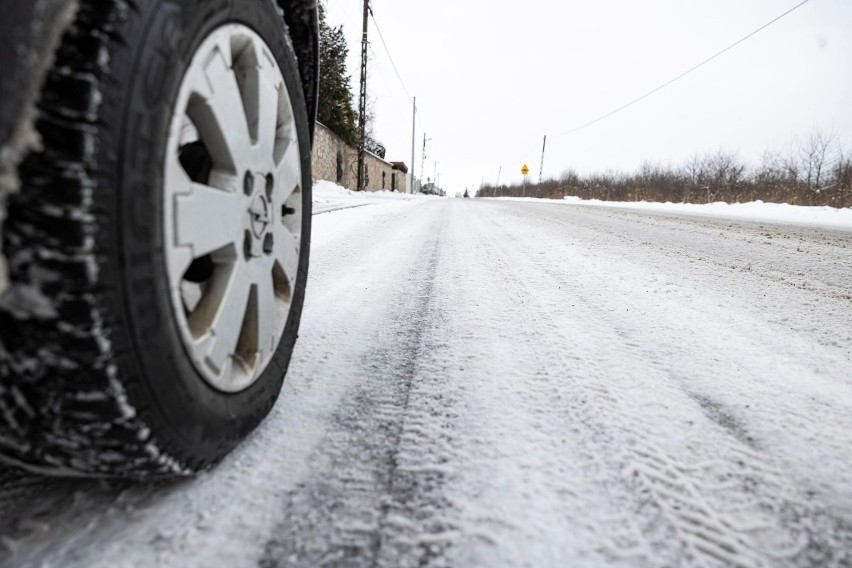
<point x="62" y="406"/>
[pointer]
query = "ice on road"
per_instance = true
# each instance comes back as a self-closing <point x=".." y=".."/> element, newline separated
<point x="497" y="383"/>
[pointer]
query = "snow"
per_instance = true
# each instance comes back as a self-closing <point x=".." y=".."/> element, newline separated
<point x="329" y="196"/>
<point x="754" y="211"/>
<point x="830" y="217"/>
<point x="494" y="383"/>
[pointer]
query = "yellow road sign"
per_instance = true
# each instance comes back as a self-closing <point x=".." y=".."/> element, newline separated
<point x="525" y="170"/>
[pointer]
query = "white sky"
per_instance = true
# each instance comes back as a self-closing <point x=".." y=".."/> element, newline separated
<point x="492" y="77"/>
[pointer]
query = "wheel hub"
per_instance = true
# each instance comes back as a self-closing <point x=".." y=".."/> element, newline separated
<point x="259" y="216"/>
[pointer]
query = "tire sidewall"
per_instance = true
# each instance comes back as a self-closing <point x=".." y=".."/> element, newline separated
<point x="189" y="418"/>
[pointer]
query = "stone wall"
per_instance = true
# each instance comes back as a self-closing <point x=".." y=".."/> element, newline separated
<point x="333" y="160"/>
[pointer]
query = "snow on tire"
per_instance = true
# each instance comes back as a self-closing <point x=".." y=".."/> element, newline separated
<point x="158" y="248"/>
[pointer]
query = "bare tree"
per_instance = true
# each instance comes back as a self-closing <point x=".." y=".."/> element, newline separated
<point x="695" y="174"/>
<point x="769" y="178"/>
<point x="814" y="156"/>
<point x="817" y="172"/>
<point x="725" y="172"/>
<point x="842" y="176"/>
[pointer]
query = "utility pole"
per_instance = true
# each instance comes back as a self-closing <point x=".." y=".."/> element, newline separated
<point x="500" y="171"/>
<point x="541" y="170"/>
<point x="362" y="105"/>
<point x="423" y="158"/>
<point x="413" y="129"/>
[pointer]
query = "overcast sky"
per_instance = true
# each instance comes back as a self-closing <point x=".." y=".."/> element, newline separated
<point x="492" y="77"/>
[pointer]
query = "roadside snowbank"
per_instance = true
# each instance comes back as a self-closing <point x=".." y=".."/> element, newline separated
<point x="754" y="211"/>
<point x="328" y="196"/>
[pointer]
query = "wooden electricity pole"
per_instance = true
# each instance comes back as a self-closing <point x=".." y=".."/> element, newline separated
<point x="362" y="105"/>
<point x="413" y="130"/>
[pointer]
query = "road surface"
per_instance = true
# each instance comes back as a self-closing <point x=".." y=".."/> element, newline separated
<point x="499" y="383"/>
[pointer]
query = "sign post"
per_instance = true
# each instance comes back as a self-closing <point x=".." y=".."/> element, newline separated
<point x="525" y="170"/>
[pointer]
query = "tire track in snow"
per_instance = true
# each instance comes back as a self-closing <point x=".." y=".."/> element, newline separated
<point x="368" y="504"/>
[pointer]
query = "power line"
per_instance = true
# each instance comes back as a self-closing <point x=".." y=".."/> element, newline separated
<point x="390" y="89"/>
<point x="381" y="37"/>
<point x="395" y="69"/>
<point x="384" y="80"/>
<point x="376" y="55"/>
<point x="685" y="73"/>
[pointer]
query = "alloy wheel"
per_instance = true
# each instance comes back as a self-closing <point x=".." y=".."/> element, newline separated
<point x="233" y="207"/>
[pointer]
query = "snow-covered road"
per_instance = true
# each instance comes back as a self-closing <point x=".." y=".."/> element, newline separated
<point x="498" y="383"/>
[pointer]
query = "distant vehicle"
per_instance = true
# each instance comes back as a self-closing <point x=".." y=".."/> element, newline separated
<point x="430" y="189"/>
<point x="156" y="159"/>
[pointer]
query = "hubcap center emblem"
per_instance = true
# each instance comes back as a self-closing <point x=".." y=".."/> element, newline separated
<point x="260" y="215"/>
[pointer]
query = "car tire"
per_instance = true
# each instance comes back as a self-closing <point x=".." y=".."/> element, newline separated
<point x="129" y="347"/>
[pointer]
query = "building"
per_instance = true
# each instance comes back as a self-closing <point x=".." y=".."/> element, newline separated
<point x="334" y="160"/>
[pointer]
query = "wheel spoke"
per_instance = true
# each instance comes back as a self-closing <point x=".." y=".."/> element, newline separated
<point x="218" y="113"/>
<point x="267" y="128"/>
<point x="289" y="173"/>
<point x="176" y="178"/>
<point x="286" y="252"/>
<point x="208" y="219"/>
<point x="265" y="317"/>
<point x="228" y="323"/>
<point x="178" y="182"/>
